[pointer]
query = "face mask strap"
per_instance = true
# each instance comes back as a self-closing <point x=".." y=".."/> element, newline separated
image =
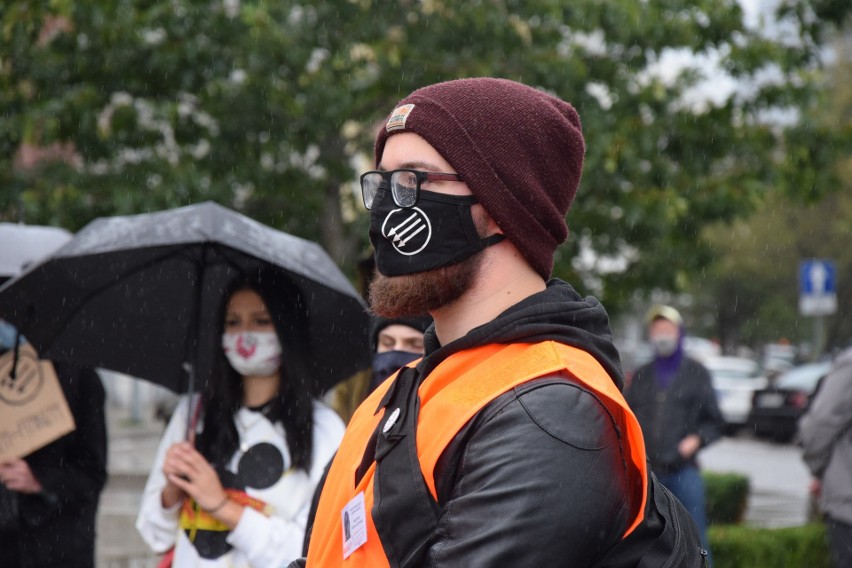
<point x="492" y="240"/>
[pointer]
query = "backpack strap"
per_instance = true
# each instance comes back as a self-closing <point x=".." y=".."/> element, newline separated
<point x="404" y="512"/>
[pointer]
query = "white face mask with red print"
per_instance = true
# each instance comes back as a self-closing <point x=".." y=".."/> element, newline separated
<point x="253" y="353"/>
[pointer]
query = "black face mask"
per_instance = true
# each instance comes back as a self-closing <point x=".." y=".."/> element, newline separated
<point x="384" y="365"/>
<point x="438" y="231"/>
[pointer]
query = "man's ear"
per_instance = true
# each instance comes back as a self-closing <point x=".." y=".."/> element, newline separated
<point x="493" y="227"/>
<point x="485" y="224"/>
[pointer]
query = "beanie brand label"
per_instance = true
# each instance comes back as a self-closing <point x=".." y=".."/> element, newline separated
<point x="398" y="118"/>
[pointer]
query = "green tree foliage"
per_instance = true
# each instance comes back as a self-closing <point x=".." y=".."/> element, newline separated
<point x="753" y="288"/>
<point x="270" y="108"/>
<point x="753" y="285"/>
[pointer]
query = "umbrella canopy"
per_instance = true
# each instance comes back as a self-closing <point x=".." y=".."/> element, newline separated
<point x="140" y="294"/>
<point x="23" y="245"/>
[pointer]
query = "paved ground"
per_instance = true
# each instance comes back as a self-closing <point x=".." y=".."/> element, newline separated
<point x="779" y="479"/>
<point x="132" y="447"/>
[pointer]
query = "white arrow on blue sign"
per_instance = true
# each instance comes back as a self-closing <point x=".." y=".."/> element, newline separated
<point x="817" y="287"/>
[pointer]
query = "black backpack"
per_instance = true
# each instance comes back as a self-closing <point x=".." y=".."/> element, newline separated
<point x="666" y="538"/>
<point x="407" y="516"/>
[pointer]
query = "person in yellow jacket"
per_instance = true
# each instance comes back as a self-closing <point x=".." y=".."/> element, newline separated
<point x="509" y="443"/>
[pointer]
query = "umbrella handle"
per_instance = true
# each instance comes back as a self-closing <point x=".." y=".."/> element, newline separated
<point x="17" y="354"/>
<point x="192" y="418"/>
<point x="190" y="415"/>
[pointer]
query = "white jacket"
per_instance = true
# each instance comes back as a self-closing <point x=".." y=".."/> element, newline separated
<point x="266" y="539"/>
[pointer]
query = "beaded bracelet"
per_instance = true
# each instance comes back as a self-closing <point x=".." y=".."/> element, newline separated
<point x="219" y="506"/>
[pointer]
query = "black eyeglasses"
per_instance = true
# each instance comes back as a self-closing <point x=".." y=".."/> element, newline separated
<point x="404" y="185"/>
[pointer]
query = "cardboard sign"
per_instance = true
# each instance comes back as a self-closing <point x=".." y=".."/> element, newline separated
<point x="33" y="410"/>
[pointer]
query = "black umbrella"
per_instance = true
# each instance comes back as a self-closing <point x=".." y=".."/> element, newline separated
<point x="140" y="294"/>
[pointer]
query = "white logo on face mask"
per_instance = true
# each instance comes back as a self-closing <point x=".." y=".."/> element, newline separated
<point x="409" y="232"/>
<point x="252" y="353"/>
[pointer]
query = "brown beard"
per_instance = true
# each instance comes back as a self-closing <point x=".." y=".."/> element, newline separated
<point x="417" y="294"/>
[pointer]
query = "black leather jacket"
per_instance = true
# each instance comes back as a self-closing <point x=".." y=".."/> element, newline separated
<point x="538" y="477"/>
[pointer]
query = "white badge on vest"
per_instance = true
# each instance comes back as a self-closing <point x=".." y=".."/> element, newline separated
<point x="354" y="516"/>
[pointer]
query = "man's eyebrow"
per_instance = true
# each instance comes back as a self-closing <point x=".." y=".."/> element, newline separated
<point x="416" y="165"/>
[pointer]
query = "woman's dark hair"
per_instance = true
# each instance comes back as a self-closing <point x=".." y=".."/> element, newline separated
<point x="222" y="396"/>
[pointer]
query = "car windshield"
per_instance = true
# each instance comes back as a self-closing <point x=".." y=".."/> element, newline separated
<point x="803" y="378"/>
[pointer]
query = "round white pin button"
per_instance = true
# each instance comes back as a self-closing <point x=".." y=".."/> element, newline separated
<point x="391" y="421"/>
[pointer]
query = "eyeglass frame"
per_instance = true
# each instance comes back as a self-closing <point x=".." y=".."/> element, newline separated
<point x="419" y="175"/>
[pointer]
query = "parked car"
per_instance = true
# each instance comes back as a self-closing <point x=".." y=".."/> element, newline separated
<point x="701" y="348"/>
<point x="735" y="380"/>
<point x="779" y="354"/>
<point x="777" y="408"/>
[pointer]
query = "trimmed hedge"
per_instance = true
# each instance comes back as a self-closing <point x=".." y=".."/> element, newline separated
<point x="792" y="547"/>
<point x="726" y="497"/>
<point x="738" y="546"/>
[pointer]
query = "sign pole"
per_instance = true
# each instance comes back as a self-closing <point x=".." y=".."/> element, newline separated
<point x="819" y="337"/>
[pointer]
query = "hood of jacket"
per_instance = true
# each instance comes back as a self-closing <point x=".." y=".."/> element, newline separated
<point x="558" y="313"/>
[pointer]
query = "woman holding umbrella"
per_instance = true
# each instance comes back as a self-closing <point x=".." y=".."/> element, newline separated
<point x="238" y="492"/>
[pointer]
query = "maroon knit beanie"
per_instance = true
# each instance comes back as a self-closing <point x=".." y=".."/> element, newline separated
<point x="519" y="150"/>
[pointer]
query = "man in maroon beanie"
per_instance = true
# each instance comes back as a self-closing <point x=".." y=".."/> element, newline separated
<point x="509" y="443"/>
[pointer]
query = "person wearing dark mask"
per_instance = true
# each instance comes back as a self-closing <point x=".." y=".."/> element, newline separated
<point x="395" y="343"/>
<point x="509" y="443"/>
<point x="673" y="399"/>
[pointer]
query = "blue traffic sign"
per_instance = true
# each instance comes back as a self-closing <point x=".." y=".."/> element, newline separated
<point x="817" y="287"/>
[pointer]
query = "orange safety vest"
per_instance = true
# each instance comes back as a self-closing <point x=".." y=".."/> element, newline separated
<point x="453" y="393"/>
